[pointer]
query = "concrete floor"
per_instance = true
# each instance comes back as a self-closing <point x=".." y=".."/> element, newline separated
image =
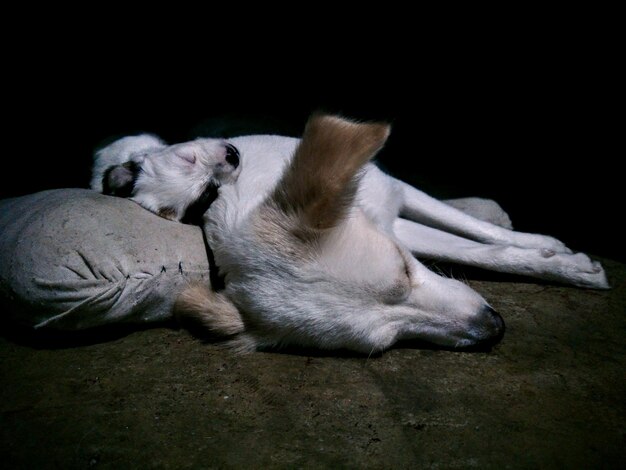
<point x="551" y="395"/>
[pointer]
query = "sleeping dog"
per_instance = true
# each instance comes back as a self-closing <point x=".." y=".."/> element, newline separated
<point x="318" y="246"/>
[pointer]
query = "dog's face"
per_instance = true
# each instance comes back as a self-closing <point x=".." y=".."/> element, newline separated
<point x="177" y="182"/>
<point x="307" y="267"/>
<point x="352" y="287"/>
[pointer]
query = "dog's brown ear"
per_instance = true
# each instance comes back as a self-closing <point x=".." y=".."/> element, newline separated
<point x="320" y="184"/>
<point x="119" y="180"/>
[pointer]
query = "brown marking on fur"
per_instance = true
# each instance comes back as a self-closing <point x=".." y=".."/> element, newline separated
<point x="284" y="233"/>
<point x="167" y="213"/>
<point x="321" y="181"/>
<point x="212" y="311"/>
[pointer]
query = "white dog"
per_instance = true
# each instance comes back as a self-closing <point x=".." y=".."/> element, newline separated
<point x="177" y="182"/>
<point x="316" y="244"/>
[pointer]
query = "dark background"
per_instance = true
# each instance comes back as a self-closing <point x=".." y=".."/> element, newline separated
<point x="530" y="125"/>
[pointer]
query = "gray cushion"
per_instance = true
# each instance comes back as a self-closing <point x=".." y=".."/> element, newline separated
<point x="73" y="259"/>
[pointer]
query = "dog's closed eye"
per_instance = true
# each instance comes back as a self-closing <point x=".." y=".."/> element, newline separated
<point x="398" y="292"/>
<point x="401" y="288"/>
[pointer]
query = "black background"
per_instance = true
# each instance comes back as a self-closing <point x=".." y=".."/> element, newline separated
<point x="530" y="124"/>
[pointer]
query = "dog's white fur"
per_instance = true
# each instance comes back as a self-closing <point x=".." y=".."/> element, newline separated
<point x="169" y="178"/>
<point x="352" y="282"/>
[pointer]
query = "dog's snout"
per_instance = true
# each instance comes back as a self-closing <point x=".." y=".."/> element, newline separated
<point x="232" y="155"/>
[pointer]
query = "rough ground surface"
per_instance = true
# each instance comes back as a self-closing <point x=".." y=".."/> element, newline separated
<point x="551" y="395"/>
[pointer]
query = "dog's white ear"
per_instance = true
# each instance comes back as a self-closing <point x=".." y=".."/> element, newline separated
<point x="320" y="183"/>
<point x="119" y="180"/>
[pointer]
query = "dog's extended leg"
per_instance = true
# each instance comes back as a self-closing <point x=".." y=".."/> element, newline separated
<point x="422" y="208"/>
<point x="427" y="242"/>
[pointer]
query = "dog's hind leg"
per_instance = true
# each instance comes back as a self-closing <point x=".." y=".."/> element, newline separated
<point x="422" y="208"/>
<point x="427" y="242"/>
<point x="486" y="210"/>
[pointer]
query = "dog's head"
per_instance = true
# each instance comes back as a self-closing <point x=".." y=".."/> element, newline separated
<point x="177" y="182"/>
<point x="308" y="267"/>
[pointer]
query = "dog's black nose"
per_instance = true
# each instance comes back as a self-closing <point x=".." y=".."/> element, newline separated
<point x="492" y="323"/>
<point x="498" y="324"/>
<point x="232" y="155"/>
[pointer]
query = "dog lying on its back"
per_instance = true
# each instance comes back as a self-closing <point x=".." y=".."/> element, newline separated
<point x="316" y="243"/>
<point x="177" y="182"/>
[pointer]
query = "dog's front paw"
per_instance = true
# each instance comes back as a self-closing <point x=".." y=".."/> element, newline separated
<point x="576" y="269"/>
